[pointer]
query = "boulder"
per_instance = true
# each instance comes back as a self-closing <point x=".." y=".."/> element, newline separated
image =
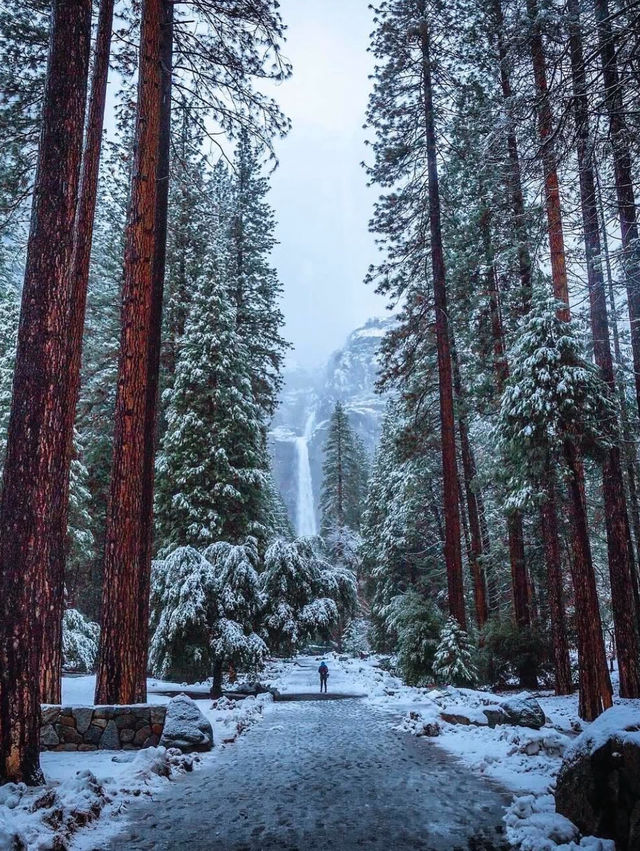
<point x="523" y="711"/>
<point x="185" y="727"/>
<point x="598" y="786"/>
<point x="495" y="715"/>
<point x="460" y="713"/>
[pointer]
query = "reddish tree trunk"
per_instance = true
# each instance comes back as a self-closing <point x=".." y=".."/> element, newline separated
<point x="595" y="685"/>
<point x="31" y="560"/>
<point x="582" y="567"/>
<point x="621" y="567"/>
<point x="553" y="560"/>
<point x="628" y="437"/>
<point x="118" y="661"/>
<point x="155" y="345"/>
<point x="51" y="673"/>
<point x="452" y="549"/>
<point x="624" y="180"/>
<point x="548" y="156"/>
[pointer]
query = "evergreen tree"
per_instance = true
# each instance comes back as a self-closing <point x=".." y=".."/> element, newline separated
<point x="192" y="218"/>
<point x="453" y="660"/>
<point x="212" y="469"/>
<point x="553" y="394"/>
<point x="306" y="596"/>
<point x="79" y="642"/>
<point x="24" y="35"/>
<point x="344" y="477"/>
<point x="416" y="622"/>
<point x="402" y="526"/>
<point x="254" y="282"/>
<point x="204" y="612"/>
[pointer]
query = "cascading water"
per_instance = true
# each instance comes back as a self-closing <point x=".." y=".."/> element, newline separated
<point x="306" y="515"/>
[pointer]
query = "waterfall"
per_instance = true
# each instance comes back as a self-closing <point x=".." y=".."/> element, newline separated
<point x="305" y="510"/>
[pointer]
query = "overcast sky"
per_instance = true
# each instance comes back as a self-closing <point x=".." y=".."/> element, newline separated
<point x="319" y="190"/>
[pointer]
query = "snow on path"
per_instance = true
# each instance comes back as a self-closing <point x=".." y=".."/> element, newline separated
<point x="320" y="775"/>
<point x="301" y="677"/>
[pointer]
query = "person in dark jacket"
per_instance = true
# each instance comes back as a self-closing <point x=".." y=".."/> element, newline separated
<point x="324" y="675"/>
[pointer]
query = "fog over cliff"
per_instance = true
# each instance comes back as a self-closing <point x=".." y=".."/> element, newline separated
<point x="300" y="425"/>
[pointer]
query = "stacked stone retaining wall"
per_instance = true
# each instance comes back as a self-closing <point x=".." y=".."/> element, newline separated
<point x="91" y="728"/>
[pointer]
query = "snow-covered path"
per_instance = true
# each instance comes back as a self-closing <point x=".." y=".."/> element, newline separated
<point x="324" y="775"/>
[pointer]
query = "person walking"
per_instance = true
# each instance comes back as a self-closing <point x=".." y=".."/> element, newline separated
<point x="324" y="675"/>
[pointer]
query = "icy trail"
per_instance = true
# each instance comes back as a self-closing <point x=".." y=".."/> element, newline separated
<point x="305" y="510"/>
<point x="321" y="775"/>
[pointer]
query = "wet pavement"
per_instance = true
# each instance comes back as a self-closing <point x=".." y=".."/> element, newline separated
<point x="321" y="775"/>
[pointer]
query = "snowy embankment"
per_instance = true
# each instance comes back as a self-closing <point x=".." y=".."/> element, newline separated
<point x="85" y="790"/>
<point x="522" y="760"/>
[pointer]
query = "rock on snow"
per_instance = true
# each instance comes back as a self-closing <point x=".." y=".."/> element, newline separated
<point x="185" y="727"/>
<point x="598" y="784"/>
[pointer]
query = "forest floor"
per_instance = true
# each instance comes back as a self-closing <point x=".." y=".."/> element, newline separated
<point x="359" y="772"/>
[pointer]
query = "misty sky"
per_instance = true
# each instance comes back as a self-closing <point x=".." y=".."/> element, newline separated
<point x="319" y="190"/>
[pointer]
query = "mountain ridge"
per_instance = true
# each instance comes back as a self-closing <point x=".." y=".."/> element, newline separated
<point x="306" y="403"/>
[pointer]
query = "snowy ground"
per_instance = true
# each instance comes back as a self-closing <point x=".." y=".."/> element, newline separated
<point x="316" y="775"/>
<point x="310" y="768"/>
<point x="86" y="792"/>
<point x="524" y="762"/>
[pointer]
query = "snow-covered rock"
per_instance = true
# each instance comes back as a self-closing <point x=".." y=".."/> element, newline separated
<point x="533" y="825"/>
<point x="598" y="785"/>
<point x="185" y="727"/>
<point x="523" y="710"/>
<point x="459" y="713"/>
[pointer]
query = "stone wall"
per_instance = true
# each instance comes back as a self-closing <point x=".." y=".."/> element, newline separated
<point x="91" y="728"/>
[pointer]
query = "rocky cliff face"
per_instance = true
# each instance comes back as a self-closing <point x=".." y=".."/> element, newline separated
<point x="300" y="425"/>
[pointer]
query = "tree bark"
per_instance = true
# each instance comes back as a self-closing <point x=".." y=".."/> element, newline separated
<point x="624" y="180"/>
<point x="553" y="561"/>
<point x="592" y="653"/>
<point x="51" y="675"/>
<point x="621" y="566"/>
<point x="452" y="547"/>
<point x="118" y="661"/>
<point x="155" y="346"/>
<point x="627" y="435"/>
<point x="216" y="684"/>
<point x="595" y="684"/>
<point x="35" y="471"/>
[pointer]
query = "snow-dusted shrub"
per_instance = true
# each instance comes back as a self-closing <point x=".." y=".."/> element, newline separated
<point x="508" y="649"/>
<point x="79" y="642"/>
<point x="305" y="595"/>
<point x="453" y="662"/>
<point x="205" y="610"/>
<point x="416" y="621"/>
